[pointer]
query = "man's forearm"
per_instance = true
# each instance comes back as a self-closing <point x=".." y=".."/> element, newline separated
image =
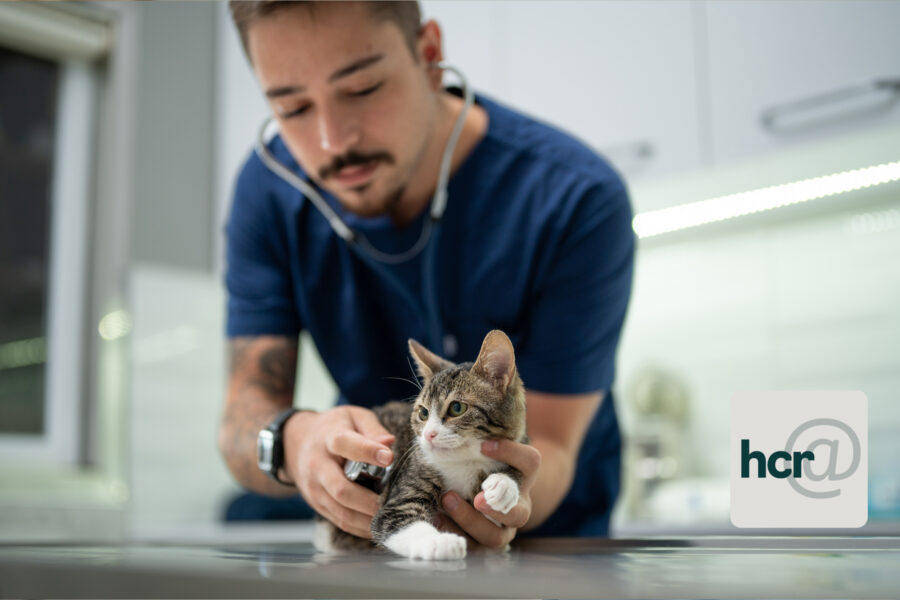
<point x="557" y="425"/>
<point x="241" y="424"/>
<point x="260" y="387"/>
<point x="553" y="481"/>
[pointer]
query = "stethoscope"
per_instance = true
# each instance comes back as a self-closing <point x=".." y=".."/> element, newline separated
<point x="375" y="258"/>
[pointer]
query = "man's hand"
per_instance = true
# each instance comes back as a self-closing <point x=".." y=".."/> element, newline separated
<point x="316" y="446"/>
<point x="472" y="521"/>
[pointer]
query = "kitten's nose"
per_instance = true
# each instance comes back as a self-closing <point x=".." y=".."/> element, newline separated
<point x="430" y="435"/>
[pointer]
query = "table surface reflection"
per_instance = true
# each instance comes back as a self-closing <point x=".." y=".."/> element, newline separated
<point x="709" y="567"/>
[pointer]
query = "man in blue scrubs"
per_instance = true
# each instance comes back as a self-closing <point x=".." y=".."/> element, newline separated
<point x="536" y="240"/>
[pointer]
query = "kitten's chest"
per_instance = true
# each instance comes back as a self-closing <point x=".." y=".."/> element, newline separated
<point x="465" y="477"/>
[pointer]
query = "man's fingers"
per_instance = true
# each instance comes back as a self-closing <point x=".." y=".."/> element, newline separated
<point x="523" y="457"/>
<point x="366" y="422"/>
<point x="387" y="440"/>
<point x="344" y="518"/>
<point x="445" y="524"/>
<point x="516" y="517"/>
<point x="476" y="524"/>
<point x="354" y="446"/>
<point x="349" y="494"/>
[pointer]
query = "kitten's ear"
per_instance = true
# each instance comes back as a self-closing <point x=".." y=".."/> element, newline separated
<point x="497" y="360"/>
<point x="428" y="362"/>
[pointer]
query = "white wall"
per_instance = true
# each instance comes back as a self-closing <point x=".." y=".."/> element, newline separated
<point x="240" y="110"/>
<point x="177" y="392"/>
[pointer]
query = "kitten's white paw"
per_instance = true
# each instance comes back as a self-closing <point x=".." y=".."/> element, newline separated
<point x="500" y="492"/>
<point x="422" y="540"/>
<point x="443" y="546"/>
<point x="322" y="537"/>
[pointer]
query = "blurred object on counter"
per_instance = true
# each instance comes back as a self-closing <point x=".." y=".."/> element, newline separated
<point x="655" y="448"/>
<point x="884" y="477"/>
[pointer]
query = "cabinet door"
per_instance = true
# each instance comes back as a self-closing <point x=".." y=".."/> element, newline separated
<point x="766" y="56"/>
<point x="620" y="75"/>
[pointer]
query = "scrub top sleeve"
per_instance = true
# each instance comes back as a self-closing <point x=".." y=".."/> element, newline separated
<point x="580" y="303"/>
<point x="258" y="276"/>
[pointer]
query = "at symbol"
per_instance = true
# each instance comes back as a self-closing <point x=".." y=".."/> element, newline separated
<point x="831" y="472"/>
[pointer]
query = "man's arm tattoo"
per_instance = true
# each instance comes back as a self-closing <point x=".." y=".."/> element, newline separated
<point x="277" y="370"/>
<point x="273" y="369"/>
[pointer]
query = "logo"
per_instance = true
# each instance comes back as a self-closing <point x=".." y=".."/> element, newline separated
<point x="799" y="459"/>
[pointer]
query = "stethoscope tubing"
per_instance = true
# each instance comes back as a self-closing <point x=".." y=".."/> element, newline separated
<point x="358" y="242"/>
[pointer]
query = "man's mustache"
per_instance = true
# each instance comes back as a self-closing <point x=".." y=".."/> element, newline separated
<point x="352" y="159"/>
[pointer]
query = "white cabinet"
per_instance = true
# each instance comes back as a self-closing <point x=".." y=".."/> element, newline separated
<point x="619" y="75"/>
<point x="666" y="87"/>
<point x="769" y="55"/>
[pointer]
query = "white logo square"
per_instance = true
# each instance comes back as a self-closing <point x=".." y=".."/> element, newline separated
<point x="799" y="459"/>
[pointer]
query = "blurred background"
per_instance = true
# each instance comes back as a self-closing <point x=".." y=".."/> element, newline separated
<point x="760" y="142"/>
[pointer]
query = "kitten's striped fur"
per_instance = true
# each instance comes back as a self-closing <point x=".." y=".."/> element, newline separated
<point x="494" y="400"/>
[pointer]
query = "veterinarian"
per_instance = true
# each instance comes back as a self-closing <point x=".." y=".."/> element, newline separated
<point x="533" y="237"/>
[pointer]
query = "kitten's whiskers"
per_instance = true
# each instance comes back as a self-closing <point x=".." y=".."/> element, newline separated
<point x="415" y="375"/>
<point x="398" y="464"/>
<point x="415" y="383"/>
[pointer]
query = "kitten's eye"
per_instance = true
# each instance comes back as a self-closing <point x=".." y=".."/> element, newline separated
<point x="457" y="408"/>
<point x="423" y="413"/>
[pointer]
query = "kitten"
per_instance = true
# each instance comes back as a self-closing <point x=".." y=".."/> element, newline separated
<point x="438" y="449"/>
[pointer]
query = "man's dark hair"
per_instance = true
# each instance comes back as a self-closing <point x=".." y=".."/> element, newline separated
<point x="405" y="14"/>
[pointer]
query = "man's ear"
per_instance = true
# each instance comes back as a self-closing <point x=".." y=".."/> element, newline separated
<point x="496" y="361"/>
<point x="427" y="362"/>
<point x="429" y="50"/>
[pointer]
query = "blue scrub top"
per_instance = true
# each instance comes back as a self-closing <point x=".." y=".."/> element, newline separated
<point x="536" y="240"/>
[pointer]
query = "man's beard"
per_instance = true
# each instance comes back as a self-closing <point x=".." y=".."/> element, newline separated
<point x="385" y="205"/>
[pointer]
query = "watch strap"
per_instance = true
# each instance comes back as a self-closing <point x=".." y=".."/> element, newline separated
<point x="277" y="425"/>
<point x="276" y="429"/>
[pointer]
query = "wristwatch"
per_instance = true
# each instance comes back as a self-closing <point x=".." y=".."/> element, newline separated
<point x="270" y="447"/>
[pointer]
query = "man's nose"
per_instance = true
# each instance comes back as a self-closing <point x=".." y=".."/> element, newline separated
<point x="337" y="132"/>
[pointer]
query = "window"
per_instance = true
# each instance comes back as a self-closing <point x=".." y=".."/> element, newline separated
<point x="49" y="89"/>
<point x="28" y="91"/>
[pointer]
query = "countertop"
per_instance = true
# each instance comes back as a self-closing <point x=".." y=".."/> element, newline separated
<point x="699" y="567"/>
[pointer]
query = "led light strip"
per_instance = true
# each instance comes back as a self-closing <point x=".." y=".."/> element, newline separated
<point x="693" y="214"/>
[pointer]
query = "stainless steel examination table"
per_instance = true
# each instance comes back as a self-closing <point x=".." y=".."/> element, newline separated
<point x="708" y="567"/>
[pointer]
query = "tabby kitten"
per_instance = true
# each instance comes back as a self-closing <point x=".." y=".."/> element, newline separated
<point x="438" y="449"/>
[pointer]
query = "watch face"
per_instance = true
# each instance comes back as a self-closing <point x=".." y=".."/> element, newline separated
<point x="265" y="450"/>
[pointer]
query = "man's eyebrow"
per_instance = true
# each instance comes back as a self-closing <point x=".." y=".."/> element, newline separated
<point x="284" y="91"/>
<point x="354" y="67"/>
<point x="342" y="72"/>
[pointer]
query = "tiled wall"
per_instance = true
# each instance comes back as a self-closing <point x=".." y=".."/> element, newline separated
<point x="802" y="304"/>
